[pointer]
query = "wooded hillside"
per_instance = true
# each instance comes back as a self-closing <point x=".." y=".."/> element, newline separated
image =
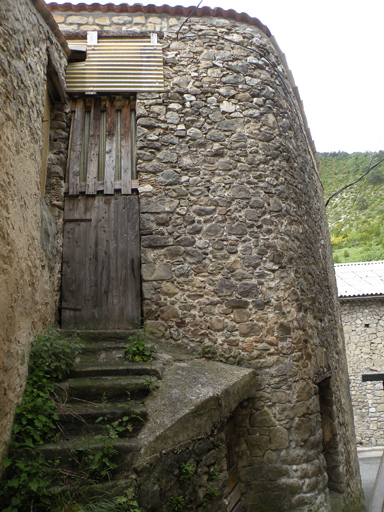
<point x="356" y="216"/>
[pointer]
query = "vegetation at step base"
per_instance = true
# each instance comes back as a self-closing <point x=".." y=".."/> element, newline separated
<point x="356" y="216"/>
<point x="95" y="500"/>
<point x="118" y="427"/>
<point x="206" y="352"/>
<point x="27" y="476"/>
<point x="138" y="349"/>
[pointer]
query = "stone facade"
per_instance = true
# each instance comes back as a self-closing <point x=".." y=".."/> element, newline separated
<point x="29" y="249"/>
<point x="363" y="321"/>
<point x="236" y="259"/>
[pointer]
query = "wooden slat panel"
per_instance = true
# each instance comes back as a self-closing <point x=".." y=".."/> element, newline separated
<point x="77" y="142"/>
<point x="93" y="151"/>
<point x="101" y="263"/>
<point x="126" y="154"/>
<point x="110" y="150"/>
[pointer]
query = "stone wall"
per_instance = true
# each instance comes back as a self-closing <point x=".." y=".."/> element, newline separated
<point x="194" y="477"/>
<point x="236" y="259"/>
<point x="29" y="252"/>
<point x="363" y="322"/>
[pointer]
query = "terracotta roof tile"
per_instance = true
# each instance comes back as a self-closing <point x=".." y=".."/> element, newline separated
<point x="178" y="10"/>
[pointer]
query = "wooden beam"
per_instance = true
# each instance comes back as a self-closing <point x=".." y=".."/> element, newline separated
<point x="126" y="156"/>
<point x="110" y="148"/>
<point x="93" y="152"/>
<point x="76" y="147"/>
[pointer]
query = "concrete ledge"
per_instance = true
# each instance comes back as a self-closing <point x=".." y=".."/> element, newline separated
<point x="367" y="453"/>
<point x="377" y="501"/>
<point x="193" y="396"/>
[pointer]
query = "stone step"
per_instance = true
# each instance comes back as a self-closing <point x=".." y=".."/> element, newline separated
<point x="73" y="452"/>
<point x="80" y="419"/>
<point x="113" y="488"/>
<point x="121" y="336"/>
<point x="102" y="352"/>
<point x="105" y="388"/>
<point x="95" y="369"/>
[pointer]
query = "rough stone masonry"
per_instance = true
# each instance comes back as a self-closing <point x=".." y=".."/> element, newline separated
<point x="236" y="259"/>
<point x="30" y="258"/>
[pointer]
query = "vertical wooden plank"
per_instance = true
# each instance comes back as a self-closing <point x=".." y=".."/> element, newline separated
<point x="110" y="149"/>
<point x="77" y="142"/>
<point x="133" y="262"/>
<point x="74" y="263"/>
<point x="103" y="129"/>
<point x="126" y="154"/>
<point x="84" y="149"/>
<point x="133" y="136"/>
<point x="118" y="145"/>
<point x="93" y="152"/>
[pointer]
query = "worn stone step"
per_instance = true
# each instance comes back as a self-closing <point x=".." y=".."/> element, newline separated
<point x="102" y="352"/>
<point x="82" y="418"/>
<point x="118" y="335"/>
<point x="74" y="451"/>
<point x="103" y="389"/>
<point x="94" y="369"/>
<point x="111" y="488"/>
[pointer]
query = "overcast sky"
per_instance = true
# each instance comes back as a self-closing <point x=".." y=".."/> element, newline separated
<point x="335" y="50"/>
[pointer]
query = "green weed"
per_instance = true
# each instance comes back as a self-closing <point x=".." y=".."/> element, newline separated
<point x="138" y="349"/>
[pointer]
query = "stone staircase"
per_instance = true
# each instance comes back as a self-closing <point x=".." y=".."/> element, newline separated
<point x="102" y="403"/>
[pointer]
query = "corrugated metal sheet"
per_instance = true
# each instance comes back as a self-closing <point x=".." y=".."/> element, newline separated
<point x="118" y="65"/>
<point x="360" y="279"/>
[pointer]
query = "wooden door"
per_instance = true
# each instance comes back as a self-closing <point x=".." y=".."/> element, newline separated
<point x="101" y="246"/>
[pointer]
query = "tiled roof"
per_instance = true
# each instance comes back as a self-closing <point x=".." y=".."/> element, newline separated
<point x="178" y="10"/>
<point x="360" y="280"/>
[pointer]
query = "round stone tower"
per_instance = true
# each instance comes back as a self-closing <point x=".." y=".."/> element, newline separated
<point x="236" y="258"/>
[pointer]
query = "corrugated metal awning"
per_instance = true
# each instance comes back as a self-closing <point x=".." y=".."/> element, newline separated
<point x="118" y="65"/>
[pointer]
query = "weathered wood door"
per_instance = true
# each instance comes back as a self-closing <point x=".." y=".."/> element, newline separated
<point x="101" y="249"/>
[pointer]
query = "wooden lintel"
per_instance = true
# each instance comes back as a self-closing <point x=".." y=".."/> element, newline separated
<point x="100" y="186"/>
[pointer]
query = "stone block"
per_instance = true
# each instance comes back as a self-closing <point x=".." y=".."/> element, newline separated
<point x="156" y="272"/>
<point x="257" y="445"/>
<point x="279" y="438"/>
<point x="248" y="329"/>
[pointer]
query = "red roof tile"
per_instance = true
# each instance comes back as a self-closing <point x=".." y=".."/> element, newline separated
<point x="178" y="10"/>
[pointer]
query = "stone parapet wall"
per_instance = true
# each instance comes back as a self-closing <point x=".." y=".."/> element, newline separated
<point x="363" y="322"/>
<point x="29" y="252"/>
<point x="236" y="258"/>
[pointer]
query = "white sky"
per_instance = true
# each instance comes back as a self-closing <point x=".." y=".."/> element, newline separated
<point x="335" y="50"/>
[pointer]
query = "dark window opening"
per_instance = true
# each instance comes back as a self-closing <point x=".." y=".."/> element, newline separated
<point x="330" y="440"/>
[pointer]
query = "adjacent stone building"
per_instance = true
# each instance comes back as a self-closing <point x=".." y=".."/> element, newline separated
<point x="361" y="287"/>
<point x="32" y="69"/>
<point x="236" y="261"/>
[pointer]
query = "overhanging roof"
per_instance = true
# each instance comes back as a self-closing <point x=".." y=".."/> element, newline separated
<point x="117" y="65"/>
